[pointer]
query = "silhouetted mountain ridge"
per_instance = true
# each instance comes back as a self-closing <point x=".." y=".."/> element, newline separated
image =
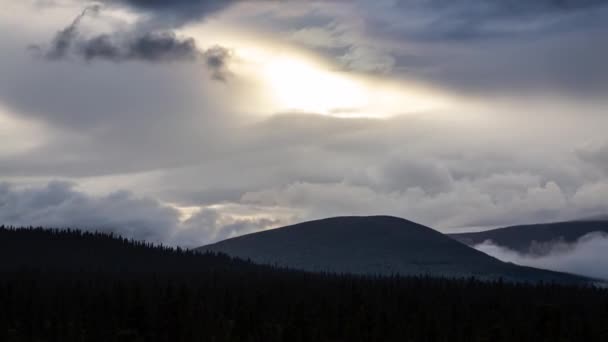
<point x="527" y="238"/>
<point x="374" y="245"/>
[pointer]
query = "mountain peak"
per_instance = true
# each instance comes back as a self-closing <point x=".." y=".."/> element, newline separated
<point x="372" y="245"/>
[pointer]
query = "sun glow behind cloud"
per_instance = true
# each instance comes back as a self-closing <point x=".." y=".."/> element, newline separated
<point x="286" y="78"/>
<point x="298" y="83"/>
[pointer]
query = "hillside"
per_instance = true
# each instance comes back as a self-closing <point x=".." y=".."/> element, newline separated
<point x="530" y="238"/>
<point x="71" y="286"/>
<point x="376" y="245"/>
<point x="75" y="250"/>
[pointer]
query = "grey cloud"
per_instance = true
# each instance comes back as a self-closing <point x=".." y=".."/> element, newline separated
<point x="588" y="256"/>
<point x="100" y="47"/>
<point x="435" y="172"/>
<point x="465" y="205"/>
<point x="511" y="7"/>
<point x="595" y="154"/>
<point x="61" y="205"/>
<point x="457" y="180"/>
<point x="410" y="168"/>
<point x="474" y="47"/>
<point x="64" y="39"/>
<point x="93" y="95"/>
<point x="574" y="66"/>
<point x="154" y="46"/>
<point x="208" y="226"/>
<point x="162" y="46"/>
<point x="216" y="59"/>
<point x="467" y="19"/>
<point x="400" y="173"/>
<point x="176" y="12"/>
<point x="149" y="47"/>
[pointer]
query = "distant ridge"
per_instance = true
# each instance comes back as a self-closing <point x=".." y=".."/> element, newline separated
<point x="527" y="238"/>
<point x="375" y="245"/>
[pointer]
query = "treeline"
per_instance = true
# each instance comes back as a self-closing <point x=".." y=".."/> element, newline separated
<point x="72" y="286"/>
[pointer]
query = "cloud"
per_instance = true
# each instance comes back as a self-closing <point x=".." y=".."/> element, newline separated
<point x="469" y="19"/>
<point x="208" y="225"/>
<point x="176" y="12"/>
<point x="590" y="198"/>
<point x="445" y="184"/>
<point x="465" y="204"/>
<point x="595" y="154"/>
<point x="61" y="205"/>
<point x="64" y="39"/>
<point x="481" y="47"/>
<point x="216" y="59"/>
<point x="484" y="161"/>
<point x="588" y="256"/>
<point x="150" y="46"/>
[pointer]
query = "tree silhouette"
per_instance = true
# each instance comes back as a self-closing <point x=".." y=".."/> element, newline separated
<point x="69" y="285"/>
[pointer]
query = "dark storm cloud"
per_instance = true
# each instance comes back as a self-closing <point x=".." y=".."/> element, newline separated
<point x="176" y="12"/>
<point x="477" y="47"/>
<point x="163" y="46"/>
<point x="101" y="47"/>
<point x="65" y="38"/>
<point x="216" y="59"/>
<point x="470" y="13"/>
<point x="510" y="7"/>
<point x="440" y="21"/>
<point x="155" y="46"/>
<point x="196" y="9"/>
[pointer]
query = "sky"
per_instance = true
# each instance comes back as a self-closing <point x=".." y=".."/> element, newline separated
<point x="189" y="121"/>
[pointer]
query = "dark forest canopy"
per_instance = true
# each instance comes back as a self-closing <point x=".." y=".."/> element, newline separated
<point x="75" y="286"/>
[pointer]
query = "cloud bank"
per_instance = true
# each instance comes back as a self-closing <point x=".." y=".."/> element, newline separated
<point x="60" y="205"/>
<point x="588" y="256"/>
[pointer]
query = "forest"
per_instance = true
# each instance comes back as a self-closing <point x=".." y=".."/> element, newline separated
<point x="69" y="285"/>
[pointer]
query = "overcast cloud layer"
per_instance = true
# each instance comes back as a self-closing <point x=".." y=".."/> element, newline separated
<point x="113" y="117"/>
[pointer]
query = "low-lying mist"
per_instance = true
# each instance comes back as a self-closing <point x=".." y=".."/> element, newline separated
<point x="588" y="256"/>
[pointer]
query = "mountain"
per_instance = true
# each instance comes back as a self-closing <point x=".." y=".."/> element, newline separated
<point x="376" y="245"/>
<point x="532" y="239"/>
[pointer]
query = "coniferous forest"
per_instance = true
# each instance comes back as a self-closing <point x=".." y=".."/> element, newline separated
<point x="73" y="286"/>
